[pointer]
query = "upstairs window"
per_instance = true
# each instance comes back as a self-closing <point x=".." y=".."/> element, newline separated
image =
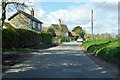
<point x="31" y="24"/>
<point x="38" y="25"/>
<point x="41" y="26"/>
<point x="34" y="24"/>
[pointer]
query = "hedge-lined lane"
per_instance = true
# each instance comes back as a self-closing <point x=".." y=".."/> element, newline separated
<point x="24" y="38"/>
<point x="104" y="48"/>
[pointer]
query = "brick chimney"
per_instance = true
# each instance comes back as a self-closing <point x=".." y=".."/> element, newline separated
<point x="59" y="22"/>
<point x="32" y="12"/>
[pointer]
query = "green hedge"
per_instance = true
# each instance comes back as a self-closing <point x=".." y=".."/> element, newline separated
<point x="24" y="38"/>
<point x="47" y="37"/>
<point x="55" y="40"/>
<point x="104" y="48"/>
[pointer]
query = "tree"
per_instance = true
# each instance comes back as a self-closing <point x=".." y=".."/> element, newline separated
<point x="52" y="31"/>
<point x="79" y="31"/>
<point x="97" y="36"/>
<point x="116" y="36"/>
<point x="109" y="36"/>
<point x="102" y="35"/>
<point x="89" y="35"/>
<point x="4" y="5"/>
<point x="76" y="28"/>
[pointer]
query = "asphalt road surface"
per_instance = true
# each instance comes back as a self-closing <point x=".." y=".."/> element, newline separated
<point x="64" y="61"/>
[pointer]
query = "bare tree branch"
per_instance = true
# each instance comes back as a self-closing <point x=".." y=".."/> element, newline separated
<point x="16" y="4"/>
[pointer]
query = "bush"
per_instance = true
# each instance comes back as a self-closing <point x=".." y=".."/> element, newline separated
<point x="55" y="40"/>
<point x="104" y="48"/>
<point x="24" y="38"/>
<point x="47" y="37"/>
<point x="10" y="38"/>
<point x="52" y="31"/>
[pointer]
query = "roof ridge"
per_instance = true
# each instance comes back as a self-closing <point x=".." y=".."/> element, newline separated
<point x="26" y="14"/>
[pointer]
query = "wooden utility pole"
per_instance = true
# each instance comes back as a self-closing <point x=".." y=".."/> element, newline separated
<point x="92" y="23"/>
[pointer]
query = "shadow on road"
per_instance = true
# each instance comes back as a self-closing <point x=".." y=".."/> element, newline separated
<point x="65" y="61"/>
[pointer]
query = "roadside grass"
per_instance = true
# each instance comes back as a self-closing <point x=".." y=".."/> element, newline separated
<point x="107" y="49"/>
<point x="42" y="46"/>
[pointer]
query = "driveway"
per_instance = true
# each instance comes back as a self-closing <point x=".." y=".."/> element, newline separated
<point x="64" y="61"/>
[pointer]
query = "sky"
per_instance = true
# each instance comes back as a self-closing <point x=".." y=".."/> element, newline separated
<point x="77" y="13"/>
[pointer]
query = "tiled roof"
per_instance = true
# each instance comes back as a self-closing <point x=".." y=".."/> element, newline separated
<point x="26" y="14"/>
<point x="73" y="34"/>
<point x="44" y="29"/>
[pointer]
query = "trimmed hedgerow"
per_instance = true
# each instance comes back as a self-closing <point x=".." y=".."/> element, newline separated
<point x="47" y="37"/>
<point x="104" y="48"/>
<point x="24" y="38"/>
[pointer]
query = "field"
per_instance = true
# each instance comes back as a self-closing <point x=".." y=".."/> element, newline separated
<point x="107" y="49"/>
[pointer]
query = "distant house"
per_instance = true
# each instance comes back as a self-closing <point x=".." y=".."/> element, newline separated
<point x="45" y="29"/>
<point x="60" y="28"/>
<point x="24" y="20"/>
<point x="6" y="25"/>
<point x="73" y="34"/>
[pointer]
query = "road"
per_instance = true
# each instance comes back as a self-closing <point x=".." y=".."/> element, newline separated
<point x="64" y="61"/>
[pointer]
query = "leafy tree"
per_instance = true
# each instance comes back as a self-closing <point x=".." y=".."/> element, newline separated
<point x="117" y="36"/>
<point x="5" y="3"/>
<point x="85" y="37"/>
<point x="102" y="35"/>
<point x="97" y="36"/>
<point x="52" y="31"/>
<point x="89" y="35"/>
<point x="109" y="36"/>
<point x="77" y="28"/>
<point x="79" y="31"/>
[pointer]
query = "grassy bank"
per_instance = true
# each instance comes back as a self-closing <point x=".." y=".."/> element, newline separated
<point x="104" y="48"/>
<point x="42" y="46"/>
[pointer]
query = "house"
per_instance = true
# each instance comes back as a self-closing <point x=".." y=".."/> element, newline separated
<point x="45" y="29"/>
<point x="24" y="20"/>
<point x="6" y="25"/>
<point x="73" y="34"/>
<point x="60" y="29"/>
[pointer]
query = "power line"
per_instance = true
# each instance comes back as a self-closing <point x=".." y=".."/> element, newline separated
<point x="100" y="5"/>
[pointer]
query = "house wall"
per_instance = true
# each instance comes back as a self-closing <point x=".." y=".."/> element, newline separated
<point x="0" y="23"/>
<point x="20" y="21"/>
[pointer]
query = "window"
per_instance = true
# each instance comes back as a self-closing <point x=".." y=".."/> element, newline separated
<point x="34" y="24"/>
<point x="41" y="26"/>
<point x="38" y="25"/>
<point x="31" y="24"/>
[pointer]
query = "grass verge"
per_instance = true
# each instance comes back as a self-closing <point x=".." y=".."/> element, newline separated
<point x="42" y="46"/>
<point x="107" y="49"/>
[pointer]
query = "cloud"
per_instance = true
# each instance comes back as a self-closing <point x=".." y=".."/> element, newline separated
<point x="105" y="21"/>
<point x="74" y="15"/>
<point x="105" y="17"/>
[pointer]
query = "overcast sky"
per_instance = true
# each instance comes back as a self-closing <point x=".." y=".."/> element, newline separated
<point x="78" y="13"/>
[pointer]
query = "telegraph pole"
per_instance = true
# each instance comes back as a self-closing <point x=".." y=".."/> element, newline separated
<point x="92" y="23"/>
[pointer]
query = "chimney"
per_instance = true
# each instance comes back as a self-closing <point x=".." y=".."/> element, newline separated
<point x="59" y="22"/>
<point x="32" y="12"/>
